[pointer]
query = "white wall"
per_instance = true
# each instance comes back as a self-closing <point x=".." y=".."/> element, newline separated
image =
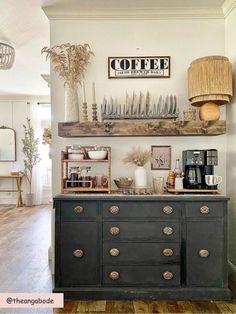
<point x="230" y="40"/>
<point x="184" y="40"/>
<point x="13" y="114"/>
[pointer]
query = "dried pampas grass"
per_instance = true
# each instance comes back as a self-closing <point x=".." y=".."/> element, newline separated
<point x="69" y="61"/>
<point x="138" y="156"/>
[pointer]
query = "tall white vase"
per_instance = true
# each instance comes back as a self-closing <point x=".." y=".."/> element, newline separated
<point x="140" y="177"/>
<point x="71" y="103"/>
<point x="29" y="199"/>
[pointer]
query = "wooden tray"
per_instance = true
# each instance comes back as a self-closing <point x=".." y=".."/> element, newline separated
<point x="193" y="191"/>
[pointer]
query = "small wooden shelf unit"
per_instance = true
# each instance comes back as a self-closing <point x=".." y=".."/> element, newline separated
<point x="183" y="191"/>
<point x="91" y="188"/>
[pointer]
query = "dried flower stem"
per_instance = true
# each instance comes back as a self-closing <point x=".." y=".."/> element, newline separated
<point x="138" y="156"/>
<point x="69" y="61"/>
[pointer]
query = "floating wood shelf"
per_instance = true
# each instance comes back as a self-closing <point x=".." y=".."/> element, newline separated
<point x="141" y="128"/>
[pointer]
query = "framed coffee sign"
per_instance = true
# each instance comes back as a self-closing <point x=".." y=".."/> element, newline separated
<point x="139" y="67"/>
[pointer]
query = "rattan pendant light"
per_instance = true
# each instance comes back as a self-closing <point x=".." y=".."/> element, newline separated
<point x="210" y="85"/>
<point x="7" y="56"/>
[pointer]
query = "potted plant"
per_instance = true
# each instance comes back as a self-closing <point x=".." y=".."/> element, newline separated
<point x="139" y="158"/>
<point x="70" y="63"/>
<point x="32" y="158"/>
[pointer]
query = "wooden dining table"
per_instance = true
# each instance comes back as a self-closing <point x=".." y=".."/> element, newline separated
<point x="18" y="178"/>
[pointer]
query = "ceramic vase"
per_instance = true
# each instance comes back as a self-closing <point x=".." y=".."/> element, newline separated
<point x="71" y="103"/>
<point x="140" y="177"/>
<point x="29" y="199"/>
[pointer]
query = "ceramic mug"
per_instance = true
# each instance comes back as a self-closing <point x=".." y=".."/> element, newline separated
<point x="212" y="179"/>
<point x="99" y="179"/>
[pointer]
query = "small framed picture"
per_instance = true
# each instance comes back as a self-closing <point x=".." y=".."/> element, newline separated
<point x="161" y="158"/>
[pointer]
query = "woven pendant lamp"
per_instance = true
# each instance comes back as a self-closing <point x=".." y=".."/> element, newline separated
<point x="7" y="56"/>
<point x="210" y="85"/>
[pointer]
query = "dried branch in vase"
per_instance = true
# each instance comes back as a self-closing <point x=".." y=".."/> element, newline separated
<point x="138" y="156"/>
<point x="69" y="61"/>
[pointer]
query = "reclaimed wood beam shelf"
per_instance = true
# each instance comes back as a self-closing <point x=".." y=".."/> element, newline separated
<point x="141" y="128"/>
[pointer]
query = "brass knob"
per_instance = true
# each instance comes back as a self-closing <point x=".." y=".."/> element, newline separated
<point x="114" y="275"/>
<point x="78" y="209"/>
<point x="204" y="253"/>
<point x="167" y="275"/>
<point x="205" y="210"/>
<point x="78" y="253"/>
<point x="167" y="252"/>
<point x="114" y="230"/>
<point x="168" y="230"/>
<point x="114" y="210"/>
<point x="168" y="210"/>
<point x="114" y="252"/>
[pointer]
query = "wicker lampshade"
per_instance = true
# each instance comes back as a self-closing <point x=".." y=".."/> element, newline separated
<point x="7" y="56"/>
<point x="210" y="80"/>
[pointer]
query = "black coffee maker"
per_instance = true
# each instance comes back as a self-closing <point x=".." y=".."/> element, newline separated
<point x="197" y="164"/>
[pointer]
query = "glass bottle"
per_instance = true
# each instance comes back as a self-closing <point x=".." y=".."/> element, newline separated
<point x="88" y="177"/>
<point x="171" y="180"/>
<point x="177" y="170"/>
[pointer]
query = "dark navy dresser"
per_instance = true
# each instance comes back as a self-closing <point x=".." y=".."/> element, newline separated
<point x="141" y="247"/>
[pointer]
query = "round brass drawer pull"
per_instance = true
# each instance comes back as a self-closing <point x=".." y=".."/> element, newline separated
<point x="78" y="253"/>
<point x="114" y="275"/>
<point x="114" y="230"/>
<point x="167" y="252"/>
<point x="114" y="252"/>
<point x="204" y="253"/>
<point x="168" y="230"/>
<point x="168" y="210"/>
<point x="78" y="209"/>
<point x="167" y="275"/>
<point x="114" y="210"/>
<point x="205" y="210"/>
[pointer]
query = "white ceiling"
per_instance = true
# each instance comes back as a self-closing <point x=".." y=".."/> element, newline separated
<point x="25" y="26"/>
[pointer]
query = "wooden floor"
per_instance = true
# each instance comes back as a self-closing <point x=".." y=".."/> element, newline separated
<point x="24" y="242"/>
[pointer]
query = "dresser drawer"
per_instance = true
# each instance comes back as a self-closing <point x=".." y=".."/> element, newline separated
<point x="140" y="209"/>
<point x="78" y="209"/>
<point x="78" y="253"/>
<point x="141" y="231"/>
<point x="205" y="253"/>
<point x="163" y="275"/>
<point x="204" y="209"/>
<point x="140" y="253"/>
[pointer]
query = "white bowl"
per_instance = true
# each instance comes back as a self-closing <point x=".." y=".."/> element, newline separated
<point x="76" y="156"/>
<point x="97" y="154"/>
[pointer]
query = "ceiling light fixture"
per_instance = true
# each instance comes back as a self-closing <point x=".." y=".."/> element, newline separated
<point x="7" y="56"/>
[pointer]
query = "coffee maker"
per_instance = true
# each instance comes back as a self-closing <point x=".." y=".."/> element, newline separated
<point x="197" y="164"/>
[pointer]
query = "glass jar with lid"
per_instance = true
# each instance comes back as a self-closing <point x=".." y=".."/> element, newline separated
<point x="73" y="177"/>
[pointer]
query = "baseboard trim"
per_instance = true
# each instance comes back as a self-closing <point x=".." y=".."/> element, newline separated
<point x="144" y="293"/>
<point x="232" y="271"/>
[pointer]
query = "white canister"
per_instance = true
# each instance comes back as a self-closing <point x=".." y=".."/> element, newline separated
<point x="140" y="177"/>
<point x="158" y="185"/>
<point x="75" y="153"/>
